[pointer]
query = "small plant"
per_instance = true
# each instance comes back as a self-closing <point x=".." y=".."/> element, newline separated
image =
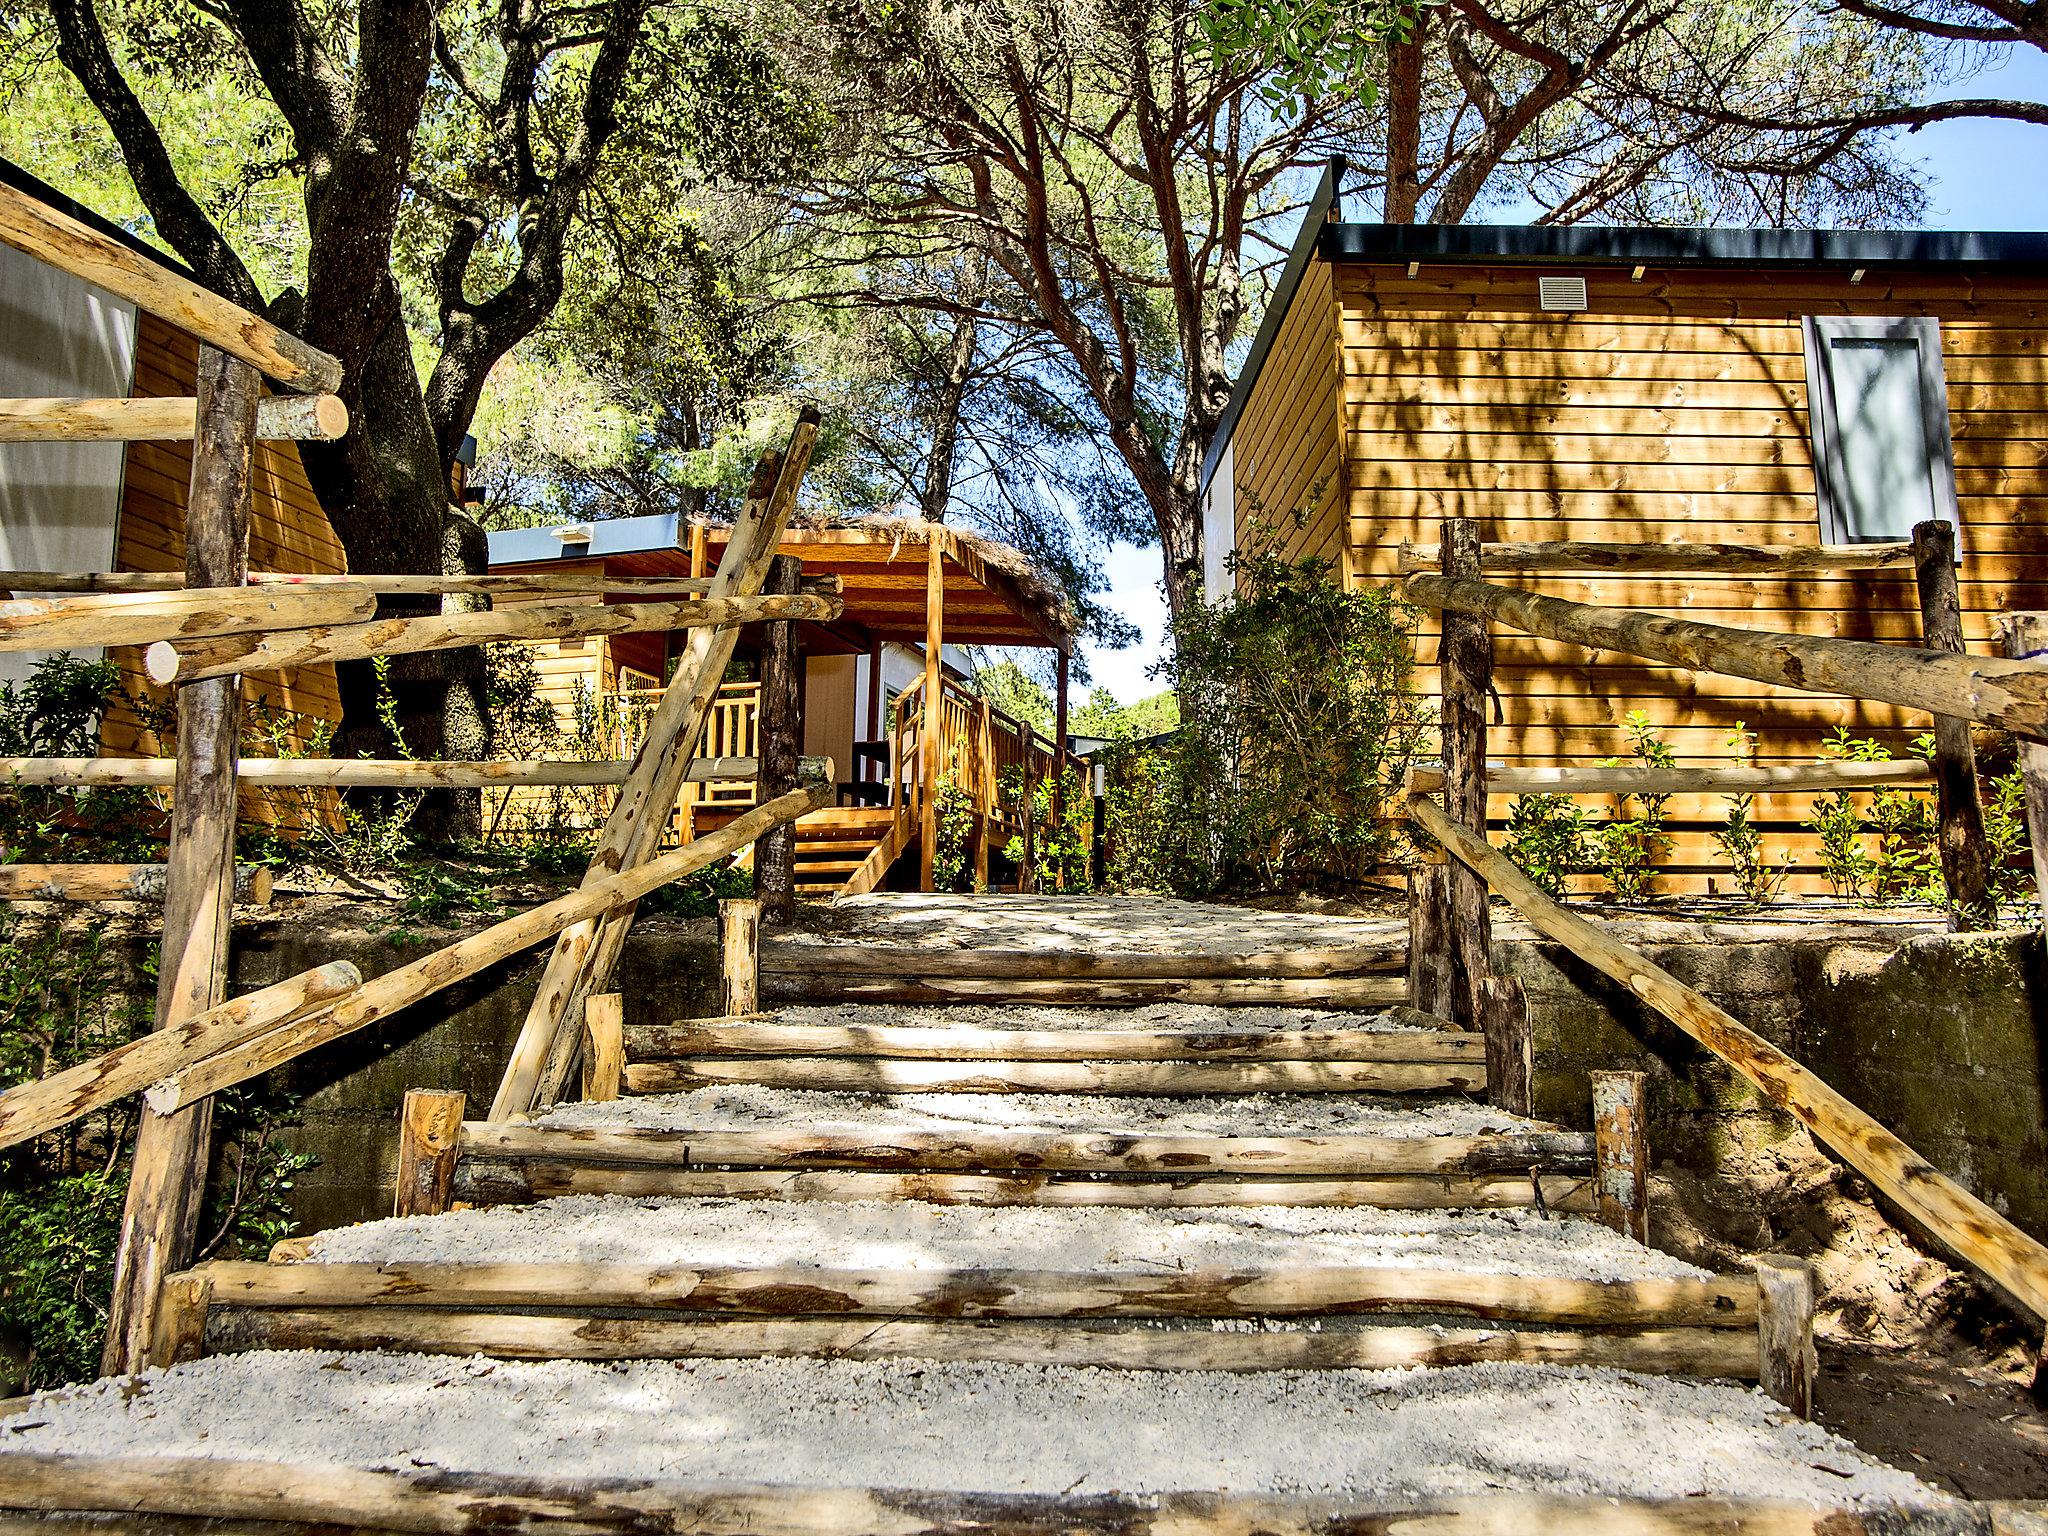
<point x="1547" y="837"/>
<point x="2005" y="830"/>
<point x="1740" y="839"/>
<point x="950" y="867"/>
<point x="1839" y="822"/>
<point x="1060" y="852"/>
<point x="1628" y="847"/>
<point x="57" y="711"/>
<point x="1907" y="862"/>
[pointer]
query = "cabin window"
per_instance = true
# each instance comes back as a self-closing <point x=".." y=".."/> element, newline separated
<point x="1882" y="458"/>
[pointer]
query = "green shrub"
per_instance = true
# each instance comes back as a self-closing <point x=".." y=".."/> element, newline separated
<point x="57" y="711"/>
<point x="1628" y="848"/>
<point x="1547" y="838"/>
<point x="1740" y="839"/>
<point x="1298" y="718"/>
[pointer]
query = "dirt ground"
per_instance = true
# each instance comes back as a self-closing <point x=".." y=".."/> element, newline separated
<point x="1949" y="1416"/>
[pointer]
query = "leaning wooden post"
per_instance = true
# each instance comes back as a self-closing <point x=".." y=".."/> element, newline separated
<point x="1786" y="1361"/>
<point x="1965" y="855"/>
<point x="739" y="956"/>
<point x="429" y="1127"/>
<point x="1621" y="1153"/>
<point x="1465" y="659"/>
<point x="1059" y="766"/>
<point x="781" y="741"/>
<point x="604" y="1046"/>
<point x="161" y="1217"/>
<point x="2026" y="639"/>
<point x="930" y="738"/>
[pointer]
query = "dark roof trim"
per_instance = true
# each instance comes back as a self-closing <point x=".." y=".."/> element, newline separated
<point x="14" y="176"/>
<point x="1586" y="245"/>
<point x="1323" y="211"/>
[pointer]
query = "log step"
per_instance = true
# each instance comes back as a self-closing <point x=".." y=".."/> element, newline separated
<point x="950" y="1042"/>
<point x="825" y="985"/>
<point x="1162" y="1078"/>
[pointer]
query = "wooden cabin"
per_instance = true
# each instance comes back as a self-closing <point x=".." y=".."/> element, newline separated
<point x="105" y="506"/>
<point x="1780" y="388"/>
<point x="864" y="679"/>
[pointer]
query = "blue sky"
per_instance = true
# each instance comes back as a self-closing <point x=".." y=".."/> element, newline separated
<point x="1981" y="175"/>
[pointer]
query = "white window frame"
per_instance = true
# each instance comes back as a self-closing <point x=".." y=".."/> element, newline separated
<point x="1829" y="471"/>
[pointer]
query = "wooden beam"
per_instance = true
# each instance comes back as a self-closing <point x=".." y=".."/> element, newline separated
<point x="140" y="618"/>
<point x="1621" y="1152"/>
<point x="1703" y="559"/>
<point x="1429" y="939"/>
<point x="310" y="645"/>
<point x="802" y="957"/>
<point x="971" y="1148"/>
<point x="160" y="1218"/>
<point x="400" y="988"/>
<point x="1368" y="991"/>
<point x="1962" y="1223"/>
<point x="2025" y="638"/>
<point x="33" y="1108"/>
<point x="864" y="1075"/>
<point x="436" y="1499"/>
<point x="604" y="1046"/>
<point x="429" y="1126"/>
<point x="586" y="953"/>
<point x="739" y="955"/>
<point x="932" y="736"/>
<point x="116" y="882"/>
<point x="1784" y="778"/>
<point x="798" y="1290"/>
<point x="780" y="709"/>
<point x="965" y="1042"/>
<point x="369" y="773"/>
<point x="36" y="229"/>
<point x="1965" y="855"/>
<point x="543" y="583"/>
<point x="164" y="419"/>
<point x="2012" y="694"/>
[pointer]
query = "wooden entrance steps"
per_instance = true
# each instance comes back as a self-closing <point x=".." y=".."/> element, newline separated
<point x="831" y="844"/>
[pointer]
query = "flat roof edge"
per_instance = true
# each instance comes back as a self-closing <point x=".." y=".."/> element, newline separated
<point x="2024" y="251"/>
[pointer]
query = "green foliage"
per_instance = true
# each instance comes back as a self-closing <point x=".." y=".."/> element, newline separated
<point x="1298" y="715"/>
<point x="1059" y="851"/>
<point x="1009" y="688"/>
<point x="1739" y="837"/>
<point x="1318" y="49"/>
<point x="1548" y="838"/>
<point x="2005" y="830"/>
<point x="955" y="815"/>
<point x="63" y="999"/>
<point x="57" y="711"/>
<point x="1103" y="717"/>
<point x="1628" y="848"/>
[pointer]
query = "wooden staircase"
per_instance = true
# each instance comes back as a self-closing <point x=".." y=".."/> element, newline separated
<point x="1075" y="1105"/>
<point x="832" y="845"/>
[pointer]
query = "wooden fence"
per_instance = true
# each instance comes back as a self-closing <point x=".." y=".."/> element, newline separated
<point x="1450" y="928"/>
<point x="207" y="627"/>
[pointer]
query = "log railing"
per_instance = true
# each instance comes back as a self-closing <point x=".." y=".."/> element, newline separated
<point x="1450" y="941"/>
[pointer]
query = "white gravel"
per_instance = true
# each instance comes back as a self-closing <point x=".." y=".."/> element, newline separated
<point x="1394" y="1435"/>
<point x="899" y="1235"/>
<point x="753" y="1108"/>
<point x="1102" y="924"/>
<point x="1207" y="1018"/>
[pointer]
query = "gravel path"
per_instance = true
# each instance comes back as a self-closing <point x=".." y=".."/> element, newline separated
<point x="870" y="1234"/>
<point x="1101" y="924"/>
<point x="913" y="1424"/>
<point x="1210" y="1019"/>
<point x="750" y="1108"/>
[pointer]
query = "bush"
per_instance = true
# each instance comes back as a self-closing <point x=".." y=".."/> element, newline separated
<point x="57" y="711"/>
<point x="1298" y="718"/>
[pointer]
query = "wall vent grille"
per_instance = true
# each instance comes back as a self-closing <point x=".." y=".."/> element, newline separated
<point x="1561" y="292"/>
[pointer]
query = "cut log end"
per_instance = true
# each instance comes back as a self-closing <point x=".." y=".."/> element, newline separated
<point x="160" y="662"/>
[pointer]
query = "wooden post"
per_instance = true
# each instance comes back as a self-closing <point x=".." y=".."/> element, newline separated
<point x="781" y="734"/>
<point x="429" y="1126"/>
<point x="1786" y="1361"/>
<point x="1059" y="764"/>
<point x="929" y="739"/>
<point x="869" y="767"/>
<point x="1621" y="1155"/>
<point x="739" y="956"/>
<point x="984" y="790"/>
<point x="604" y="1046"/>
<point x="1027" y="813"/>
<point x="1465" y="658"/>
<point x="1429" y="938"/>
<point x="161" y="1217"/>
<point x="181" y="1319"/>
<point x="1510" y="1048"/>
<point x="2026" y="639"/>
<point x="1965" y="855"/>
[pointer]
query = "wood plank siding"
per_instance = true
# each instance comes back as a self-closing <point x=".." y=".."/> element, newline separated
<point x="288" y="531"/>
<point x="1673" y="409"/>
<point x="1286" y="441"/>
